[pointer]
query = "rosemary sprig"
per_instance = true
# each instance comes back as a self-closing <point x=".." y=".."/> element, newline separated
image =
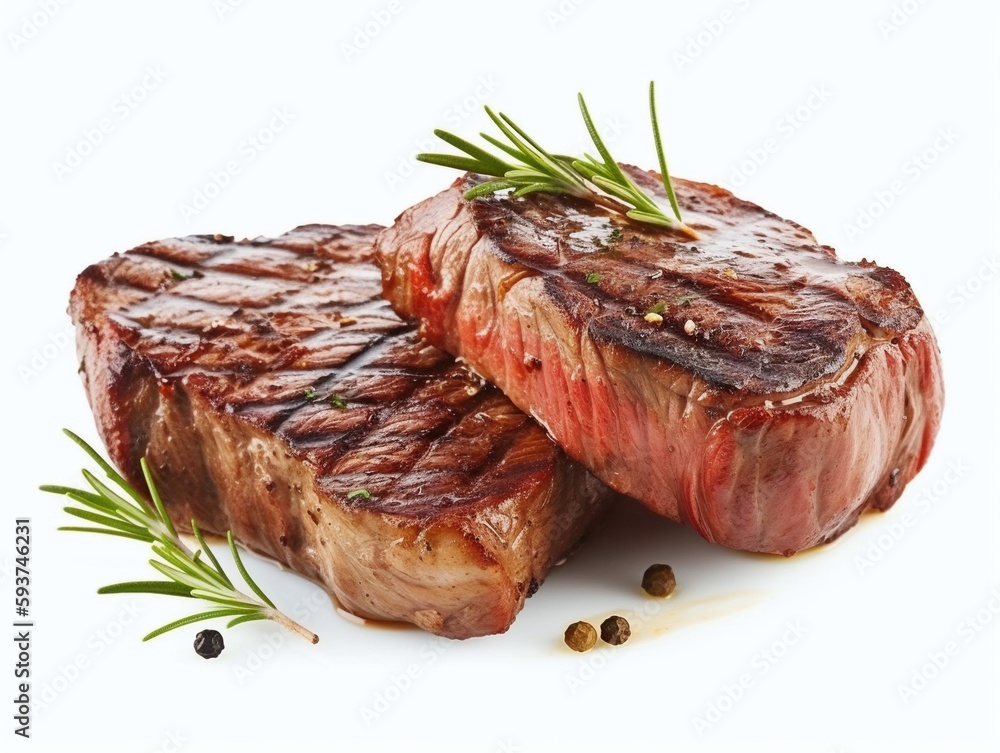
<point x="189" y="574"/>
<point x="601" y="181"/>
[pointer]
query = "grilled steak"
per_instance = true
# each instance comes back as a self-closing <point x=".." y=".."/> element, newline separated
<point x="268" y="384"/>
<point x="749" y="383"/>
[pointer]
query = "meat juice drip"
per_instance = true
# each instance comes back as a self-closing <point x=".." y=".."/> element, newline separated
<point x="813" y="551"/>
<point x="658" y="616"/>
<point x="383" y="624"/>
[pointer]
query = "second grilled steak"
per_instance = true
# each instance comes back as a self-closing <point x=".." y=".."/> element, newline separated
<point x="750" y="383"/>
<point x="276" y="394"/>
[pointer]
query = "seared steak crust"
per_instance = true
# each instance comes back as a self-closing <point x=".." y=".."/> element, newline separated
<point x="749" y="383"/>
<point x="266" y="381"/>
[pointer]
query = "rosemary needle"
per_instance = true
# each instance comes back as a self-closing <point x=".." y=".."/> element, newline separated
<point x="191" y="574"/>
<point x="536" y="170"/>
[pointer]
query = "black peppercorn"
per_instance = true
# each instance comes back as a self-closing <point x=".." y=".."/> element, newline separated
<point x="659" y="580"/>
<point x="615" y="630"/>
<point x="209" y="644"/>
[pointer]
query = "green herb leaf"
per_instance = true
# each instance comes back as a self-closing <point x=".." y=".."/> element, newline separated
<point x="210" y="615"/>
<point x="243" y="571"/>
<point x="536" y="170"/>
<point x="166" y="587"/>
<point x="593" y="277"/>
<point x="363" y="493"/>
<point x="196" y="530"/>
<point x="664" y="173"/>
<point x="106" y="531"/>
<point x="189" y="575"/>
<point x="110" y="522"/>
<point x="246" y="618"/>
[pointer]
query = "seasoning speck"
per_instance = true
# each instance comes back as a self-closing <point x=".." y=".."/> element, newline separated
<point x="209" y="644"/>
<point x="659" y="580"/>
<point x="689" y="327"/>
<point x="729" y="272"/>
<point x="531" y="363"/>
<point x="581" y="636"/>
<point x="615" y="630"/>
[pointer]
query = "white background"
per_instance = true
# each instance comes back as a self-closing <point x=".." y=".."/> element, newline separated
<point x="856" y="96"/>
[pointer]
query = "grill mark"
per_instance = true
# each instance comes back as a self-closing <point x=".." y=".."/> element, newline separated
<point x="432" y="443"/>
<point x="352" y="365"/>
<point x="731" y="314"/>
<point x="190" y="339"/>
<point x="231" y="264"/>
<point x="249" y="361"/>
<point x="808" y="310"/>
<point x="416" y="380"/>
<point x="175" y="254"/>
